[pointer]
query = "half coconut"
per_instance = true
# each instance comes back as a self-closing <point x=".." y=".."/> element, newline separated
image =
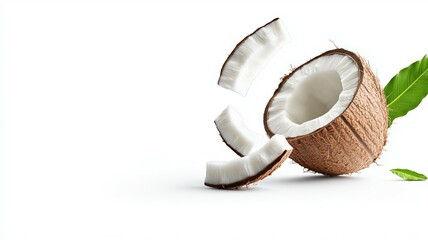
<point x="332" y="111"/>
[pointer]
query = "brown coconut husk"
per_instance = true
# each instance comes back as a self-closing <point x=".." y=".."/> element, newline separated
<point x="353" y="140"/>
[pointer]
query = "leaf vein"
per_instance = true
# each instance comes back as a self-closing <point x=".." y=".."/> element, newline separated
<point x="411" y="85"/>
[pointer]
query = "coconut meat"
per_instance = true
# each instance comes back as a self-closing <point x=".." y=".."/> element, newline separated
<point x="251" y="55"/>
<point x="235" y="133"/>
<point x="314" y="95"/>
<point x="223" y="173"/>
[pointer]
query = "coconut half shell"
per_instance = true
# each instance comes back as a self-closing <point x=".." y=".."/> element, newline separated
<point x="348" y="142"/>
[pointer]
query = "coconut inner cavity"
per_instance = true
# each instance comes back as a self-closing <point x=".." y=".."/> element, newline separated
<point x="314" y="95"/>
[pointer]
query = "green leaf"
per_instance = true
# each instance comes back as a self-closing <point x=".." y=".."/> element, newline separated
<point x="407" y="89"/>
<point x="408" y="175"/>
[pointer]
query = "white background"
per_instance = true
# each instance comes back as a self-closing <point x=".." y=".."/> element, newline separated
<point x="108" y="115"/>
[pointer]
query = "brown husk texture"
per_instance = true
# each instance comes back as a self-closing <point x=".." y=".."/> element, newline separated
<point x="353" y="140"/>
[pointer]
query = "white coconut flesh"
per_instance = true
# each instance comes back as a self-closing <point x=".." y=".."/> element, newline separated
<point x="251" y="55"/>
<point x="248" y="169"/>
<point x="313" y="96"/>
<point x="236" y="134"/>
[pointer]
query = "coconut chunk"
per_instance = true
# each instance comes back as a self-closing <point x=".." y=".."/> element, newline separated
<point x="333" y="112"/>
<point x="251" y="55"/>
<point x="235" y="134"/>
<point x="249" y="169"/>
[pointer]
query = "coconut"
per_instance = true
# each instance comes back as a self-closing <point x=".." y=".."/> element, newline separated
<point x="236" y="134"/>
<point x="250" y="55"/>
<point x="249" y="169"/>
<point x="333" y="113"/>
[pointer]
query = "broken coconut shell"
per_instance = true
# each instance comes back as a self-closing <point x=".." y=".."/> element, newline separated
<point x="250" y="55"/>
<point x="249" y="169"/>
<point x="238" y="137"/>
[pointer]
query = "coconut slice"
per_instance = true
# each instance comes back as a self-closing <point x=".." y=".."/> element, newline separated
<point x="251" y="55"/>
<point x="249" y="169"/>
<point x="235" y="134"/>
<point x="333" y="112"/>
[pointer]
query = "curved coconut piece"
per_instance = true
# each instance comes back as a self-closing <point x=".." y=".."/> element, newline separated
<point x="250" y="55"/>
<point x="333" y="112"/>
<point x="235" y="134"/>
<point x="250" y="169"/>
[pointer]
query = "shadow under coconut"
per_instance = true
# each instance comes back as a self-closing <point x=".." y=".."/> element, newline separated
<point x="197" y="187"/>
<point x="311" y="179"/>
